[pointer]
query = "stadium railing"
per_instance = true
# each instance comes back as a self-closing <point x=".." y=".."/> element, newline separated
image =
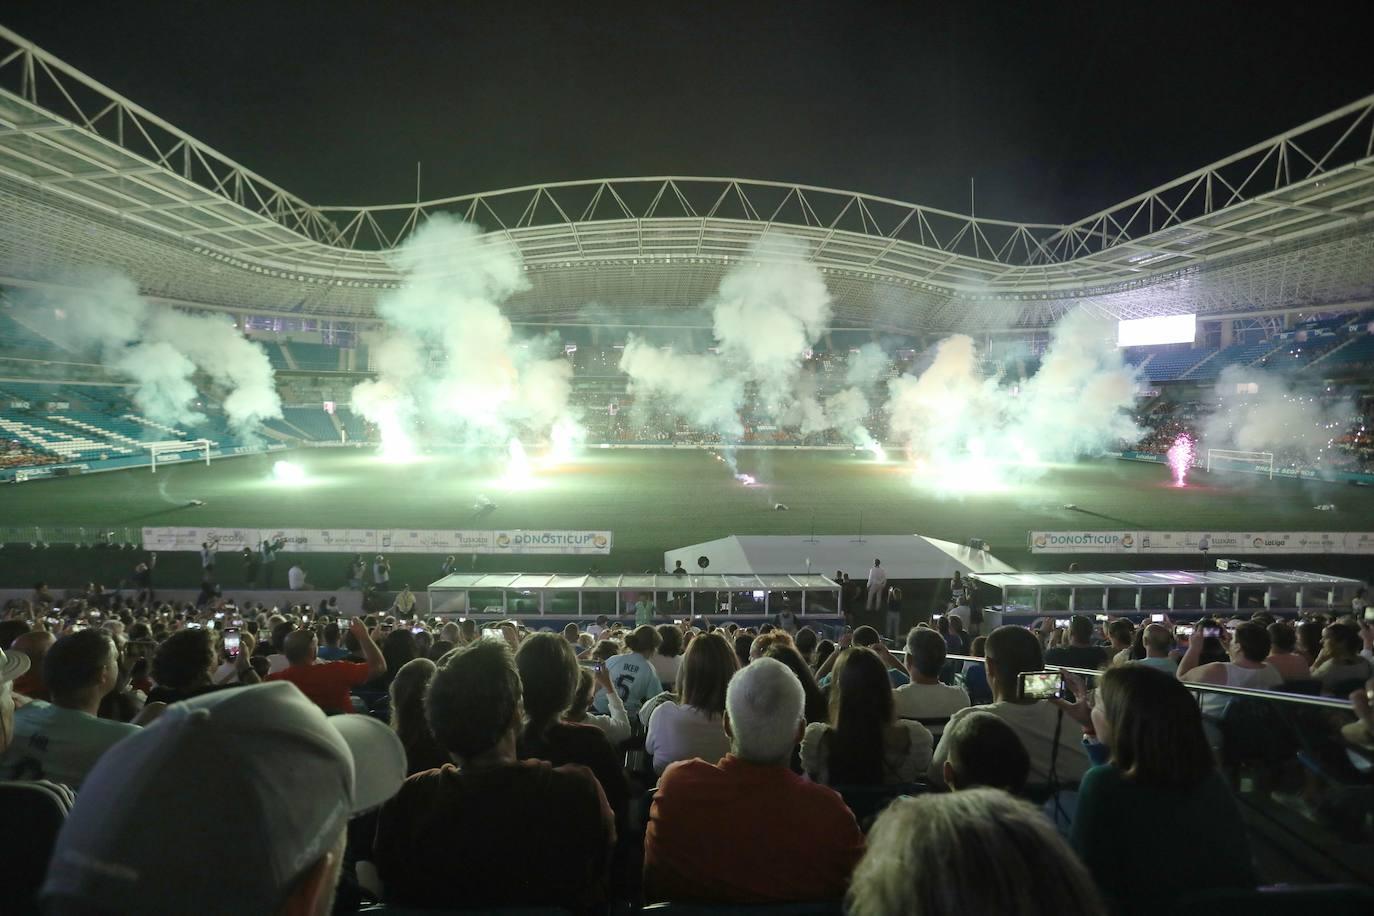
<point x="1302" y="769"/>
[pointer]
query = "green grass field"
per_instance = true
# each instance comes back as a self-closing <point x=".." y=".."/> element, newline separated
<point x="651" y="500"/>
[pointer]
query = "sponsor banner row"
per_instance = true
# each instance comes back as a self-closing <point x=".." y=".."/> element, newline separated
<point x="1216" y="543"/>
<point x="382" y="540"/>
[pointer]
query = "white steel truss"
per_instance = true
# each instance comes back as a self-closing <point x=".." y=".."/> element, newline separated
<point x="89" y="178"/>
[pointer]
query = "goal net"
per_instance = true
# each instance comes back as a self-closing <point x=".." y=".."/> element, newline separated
<point x="1220" y="459"/>
<point x="164" y="452"/>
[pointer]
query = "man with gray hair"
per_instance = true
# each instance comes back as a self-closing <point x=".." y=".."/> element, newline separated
<point x="747" y="829"/>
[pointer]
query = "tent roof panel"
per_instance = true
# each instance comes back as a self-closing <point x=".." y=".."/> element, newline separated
<point x="1173" y="578"/>
<point x="689" y="583"/>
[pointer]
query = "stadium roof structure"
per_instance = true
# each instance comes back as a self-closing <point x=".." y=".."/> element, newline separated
<point x="89" y="179"/>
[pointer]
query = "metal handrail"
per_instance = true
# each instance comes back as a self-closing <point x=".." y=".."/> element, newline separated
<point x="1302" y="698"/>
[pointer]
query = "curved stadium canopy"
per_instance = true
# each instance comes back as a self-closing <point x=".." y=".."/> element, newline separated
<point x="90" y="179"/>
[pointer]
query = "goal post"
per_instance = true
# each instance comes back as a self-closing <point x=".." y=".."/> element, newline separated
<point x="177" y="447"/>
<point x="1220" y="459"/>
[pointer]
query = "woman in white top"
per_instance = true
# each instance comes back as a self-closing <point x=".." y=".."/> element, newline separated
<point x="1248" y="648"/>
<point x="692" y="724"/>
<point x="865" y="744"/>
<point x="616" y="725"/>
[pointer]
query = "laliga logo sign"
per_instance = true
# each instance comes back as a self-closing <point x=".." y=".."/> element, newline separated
<point x="599" y="540"/>
<point x="1041" y="540"/>
<point x="503" y="540"/>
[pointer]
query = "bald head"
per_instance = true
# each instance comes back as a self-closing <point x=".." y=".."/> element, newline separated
<point x="34" y="644"/>
<point x="300" y="647"/>
<point x="1157" y="641"/>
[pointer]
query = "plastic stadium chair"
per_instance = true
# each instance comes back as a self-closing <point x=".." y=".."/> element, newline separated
<point x="1308" y="686"/>
<point x="737" y="909"/>
<point x="382" y="909"/>
<point x="1254" y="733"/>
<point x="930" y="722"/>
<point x="867" y="802"/>
<point x="1281" y="900"/>
<point x="41" y="807"/>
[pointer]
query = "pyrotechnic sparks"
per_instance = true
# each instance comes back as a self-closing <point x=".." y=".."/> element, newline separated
<point x="747" y="479"/>
<point x="519" y="473"/>
<point x="1180" y="457"/>
<point x="287" y="472"/>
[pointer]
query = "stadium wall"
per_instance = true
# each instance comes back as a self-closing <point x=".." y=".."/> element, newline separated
<point x="50" y="471"/>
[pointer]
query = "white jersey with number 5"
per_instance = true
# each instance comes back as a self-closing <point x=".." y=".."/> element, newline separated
<point x="634" y="679"/>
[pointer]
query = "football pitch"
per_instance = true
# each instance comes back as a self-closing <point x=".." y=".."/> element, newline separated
<point x="652" y="500"/>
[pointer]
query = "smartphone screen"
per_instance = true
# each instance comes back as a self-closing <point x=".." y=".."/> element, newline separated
<point x="1183" y="632"/>
<point x="1039" y="685"/>
<point x="1156" y="618"/>
<point x="1212" y="632"/>
<point x="488" y="633"/>
<point x="1061" y="622"/>
<point x="231" y="643"/>
<point x="417" y="630"/>
<point x="1101" y="618"/>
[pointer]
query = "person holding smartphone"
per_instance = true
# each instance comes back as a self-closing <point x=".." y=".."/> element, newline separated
<point x="1054" y="744"/>
<point x="185" y="666"/>
<point x="1247" y="668"/>
<point x="1080" y="652"/>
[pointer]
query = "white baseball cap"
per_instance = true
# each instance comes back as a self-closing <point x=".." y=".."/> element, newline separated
<point x="220" y="804"/>
<point x="13" y="665"/>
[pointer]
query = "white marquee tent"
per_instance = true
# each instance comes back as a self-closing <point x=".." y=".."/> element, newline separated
<point x="904" y="556"/>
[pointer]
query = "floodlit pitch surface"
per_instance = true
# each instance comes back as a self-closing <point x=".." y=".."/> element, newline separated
<point x="651" y="499"/>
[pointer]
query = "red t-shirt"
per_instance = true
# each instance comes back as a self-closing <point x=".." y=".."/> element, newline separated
<point x="738" y="832"/>
<point x="326" y="685"/>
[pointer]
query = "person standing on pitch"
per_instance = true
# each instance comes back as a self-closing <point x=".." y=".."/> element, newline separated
<point x="877" y="586"/>
<point x="381" y="573"/>
<point x="269" y="559"/>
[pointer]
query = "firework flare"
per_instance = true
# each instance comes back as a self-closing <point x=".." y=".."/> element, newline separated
<point x="1180" y="457"/>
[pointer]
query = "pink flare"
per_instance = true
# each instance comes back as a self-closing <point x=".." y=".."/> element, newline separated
<point x="1180" y="457"/>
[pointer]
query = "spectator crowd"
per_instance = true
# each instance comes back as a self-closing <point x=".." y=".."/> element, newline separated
<point x="258" y="760"/>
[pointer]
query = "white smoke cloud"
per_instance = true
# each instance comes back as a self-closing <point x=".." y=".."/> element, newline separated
<point x="868" y="366"/>
<point x="1080" y="400"/>
<point x="161" y="349"/>
<point x="694" y="386"/>
<point x="1262" y="411"/>
<point x="767" y="314"/>
<point x="967" y="430"/>
<point x="450" y="358"/>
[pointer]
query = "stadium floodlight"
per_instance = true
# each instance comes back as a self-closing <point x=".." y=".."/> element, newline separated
<point x="1164" y="329"/>
<point x="1228" y="460"/>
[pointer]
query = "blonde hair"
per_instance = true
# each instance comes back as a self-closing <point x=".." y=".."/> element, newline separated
<point x="924" y="853"/>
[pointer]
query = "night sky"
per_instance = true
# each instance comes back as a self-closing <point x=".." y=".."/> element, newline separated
<point x="1056" y="109"/>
